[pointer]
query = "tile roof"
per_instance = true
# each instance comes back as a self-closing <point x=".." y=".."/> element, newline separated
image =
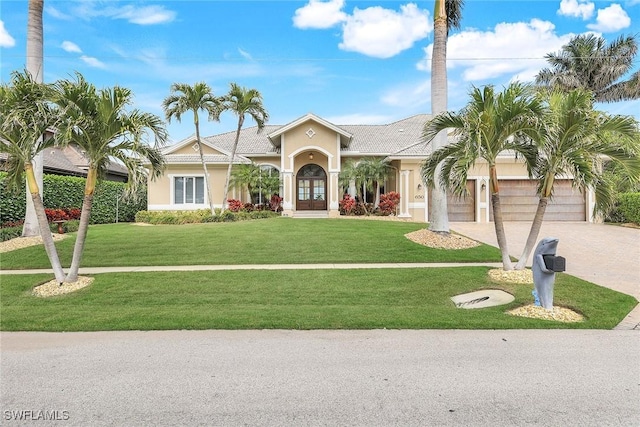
<point x="208" y="158"/>
<point x="398" y="138"/>
<point x="70" y="161"/>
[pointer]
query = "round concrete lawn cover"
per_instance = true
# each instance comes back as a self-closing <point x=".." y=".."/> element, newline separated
<point x="482" y="299"/>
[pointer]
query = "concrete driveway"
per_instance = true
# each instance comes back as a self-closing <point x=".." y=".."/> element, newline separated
<point x="605" y="254"/>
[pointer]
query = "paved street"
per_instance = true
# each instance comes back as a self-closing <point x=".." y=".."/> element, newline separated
<point x="335" y="378"/>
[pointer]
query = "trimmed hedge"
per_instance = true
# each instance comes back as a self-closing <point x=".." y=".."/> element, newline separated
<point x="200" y="216"/>
<point x="629" y="207"/>
<point x="66" y="192"/>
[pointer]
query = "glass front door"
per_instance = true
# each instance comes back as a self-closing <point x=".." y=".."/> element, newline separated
<point x="312" y="189"/>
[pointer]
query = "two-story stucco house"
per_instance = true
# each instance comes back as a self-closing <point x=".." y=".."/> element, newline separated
<point x="309" y="153"/>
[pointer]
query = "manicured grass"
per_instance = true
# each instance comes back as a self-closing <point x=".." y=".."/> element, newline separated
<point x="293" y="299"/>
<point x="267" y="241"/>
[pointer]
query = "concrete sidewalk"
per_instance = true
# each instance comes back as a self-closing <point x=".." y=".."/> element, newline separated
<point x="217" y="267"/>
<point x="604" y="254"/>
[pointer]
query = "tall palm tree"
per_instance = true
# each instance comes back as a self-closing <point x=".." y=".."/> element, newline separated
<point x="24" y="117"/>
<point x="489" y="124"/>
<point x="35" y="68"/>
<point x="242" y="101"/>
<point x="196" y="98"/>
<point x="99" y="123"/>
<point x="587" y="62"/>
<point x="572" y="141"/>
<point x="447" y="15"/>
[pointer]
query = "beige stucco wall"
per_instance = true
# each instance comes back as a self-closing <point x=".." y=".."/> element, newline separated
<point x="160" y="193"/>
<point x="296" y="143"/>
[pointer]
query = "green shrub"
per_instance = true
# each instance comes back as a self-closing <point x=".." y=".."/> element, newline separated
<point x="9" y="233"/>
<point x="199" y="216"/>
<point x="71" y="226"/>
<point x="67" y="192"/>
<point x="629" y="207"/>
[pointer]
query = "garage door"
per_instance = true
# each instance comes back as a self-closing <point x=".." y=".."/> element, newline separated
<point x="519" y="201"/>
<point x="461" y="210"/>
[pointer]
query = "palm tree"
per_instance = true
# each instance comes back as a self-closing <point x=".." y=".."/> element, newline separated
<point x="98" y="122"/>
<point x="24" y="118"/>
<point x="447" y="14"/>
<point x="572" y="142"/>
<point x="353" y="172"/>
<point x="196" y="98"/>
<point x="246" y="177"/>
<point x="35" y="68"/>
<point x="587" y="62"/>
<point x="375" y="171"/>
<point x="242" y="101"/>
<point x="490" y="124"/>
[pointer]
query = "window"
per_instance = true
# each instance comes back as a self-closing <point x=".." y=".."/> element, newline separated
<point x="188" y="189"/>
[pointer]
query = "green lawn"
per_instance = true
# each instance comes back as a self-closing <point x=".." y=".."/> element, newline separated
<point x="293" y="299"/>
<point x="268" y="241"/>
<point x="287" y="299"/>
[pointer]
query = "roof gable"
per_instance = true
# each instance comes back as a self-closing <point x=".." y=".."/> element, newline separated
<point x="276" y="136"/>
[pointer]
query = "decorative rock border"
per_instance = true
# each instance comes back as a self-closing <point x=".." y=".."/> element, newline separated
<point x="52" y="288"/>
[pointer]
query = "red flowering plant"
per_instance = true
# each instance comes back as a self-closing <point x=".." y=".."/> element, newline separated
<point x="62" y="214"/>
<point x="389" y="203"/>
<point x="347" y="204"/>
<point x="56" y="215"/>
<point x="235" y="205"/>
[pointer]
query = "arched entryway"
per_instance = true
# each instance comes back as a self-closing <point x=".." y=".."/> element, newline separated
<point x="311" y="188"/>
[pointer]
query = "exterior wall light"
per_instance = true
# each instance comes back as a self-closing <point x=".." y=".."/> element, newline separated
<point x="311" y="156"/>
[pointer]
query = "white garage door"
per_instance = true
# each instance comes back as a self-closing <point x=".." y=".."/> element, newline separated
<point x="519" y="201"/>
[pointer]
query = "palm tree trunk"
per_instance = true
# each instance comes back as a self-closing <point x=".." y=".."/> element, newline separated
<point x="34" y="67"/>
<point x="204" y="165"/>
<point x="536" y="225"/>
<point x="45" y="233"/>
<point x="439" y="218"/>
<point x="233" y="155"/>
<point x="497" y="219"/>
<point x="83" y="227"/>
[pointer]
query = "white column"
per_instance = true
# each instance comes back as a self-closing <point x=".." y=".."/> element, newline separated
<point x="333" y="191"/>
<point x="404" y="194"/>
<point x="287" y="194"/>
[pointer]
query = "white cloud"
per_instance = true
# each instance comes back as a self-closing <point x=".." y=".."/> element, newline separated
<point x="576" y="8"/>
<point x="245" y="54"/>
<point x="93" y="62"/>
<point x="319" y="14"/>
<point x="148" y="15"/>
<point x="71" y="47"/>
<point x="56" y="13"/>
<point x="509" y="49"/>
<point x="408" y="94"/>
<point x="383" y="33"/>
<point x="5" y="38"/>
<point x="611" y="19"/>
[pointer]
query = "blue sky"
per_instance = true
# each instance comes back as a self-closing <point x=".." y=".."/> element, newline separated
<point x="350" y="62"/>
